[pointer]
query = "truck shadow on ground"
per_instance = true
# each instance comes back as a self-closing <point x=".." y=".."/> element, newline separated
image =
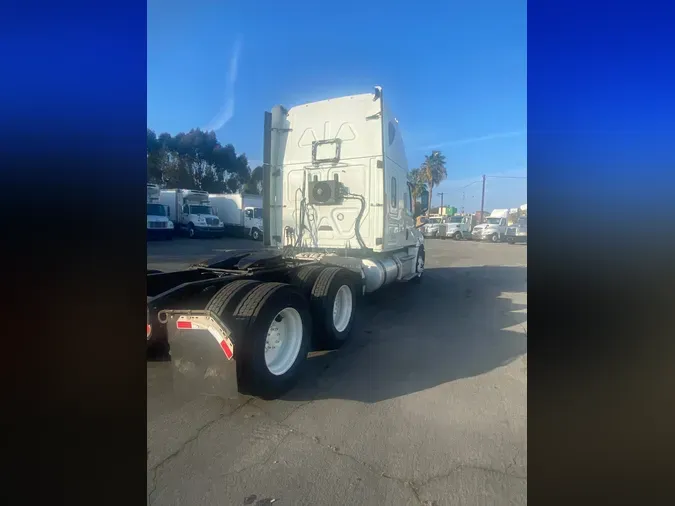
<point x="458" y="323"/>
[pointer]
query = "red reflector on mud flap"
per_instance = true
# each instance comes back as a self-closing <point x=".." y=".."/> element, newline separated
<point x="183" y="324"/>
<point x="226" y="348"/>
<point x="148" y="328"/>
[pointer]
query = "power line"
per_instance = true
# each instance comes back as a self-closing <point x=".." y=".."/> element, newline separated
<point x="482" y="201"/>
<point x="482" y="180"/>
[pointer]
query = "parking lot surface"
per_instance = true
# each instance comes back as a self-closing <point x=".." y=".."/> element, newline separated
<point x="426" y="404"/>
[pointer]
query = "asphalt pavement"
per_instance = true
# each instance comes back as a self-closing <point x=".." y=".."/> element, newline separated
<point x="426" y="404"/>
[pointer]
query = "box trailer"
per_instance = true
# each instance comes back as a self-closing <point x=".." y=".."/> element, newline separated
<point x="191" y="212"/>
<point x="241" y="213"/>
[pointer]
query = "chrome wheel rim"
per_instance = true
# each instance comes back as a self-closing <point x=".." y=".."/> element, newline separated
<point x="283" y="341"/>
<point x="342" y="308"/>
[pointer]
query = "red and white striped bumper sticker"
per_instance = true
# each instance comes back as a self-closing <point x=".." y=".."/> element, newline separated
<point x="185" y="322"/>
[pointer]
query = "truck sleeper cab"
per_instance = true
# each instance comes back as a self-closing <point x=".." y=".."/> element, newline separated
<point x="338" y="224"/>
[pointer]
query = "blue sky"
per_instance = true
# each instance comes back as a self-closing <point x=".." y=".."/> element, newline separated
<point x="454" y="72"/>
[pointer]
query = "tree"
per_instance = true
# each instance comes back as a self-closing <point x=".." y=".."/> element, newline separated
<point x="195" y="160"/>
<point x="417" y="180"/>
<point x="254" y="184"/>
<point x="154" y="151"/>
<point x="434" y="171"/>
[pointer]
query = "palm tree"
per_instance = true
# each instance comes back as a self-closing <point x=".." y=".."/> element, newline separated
<point x="434" y="171"/>
<point x="417" y="181"/>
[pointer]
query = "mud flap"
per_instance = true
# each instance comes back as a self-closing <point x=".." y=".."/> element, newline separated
<point x="201" y="355"/>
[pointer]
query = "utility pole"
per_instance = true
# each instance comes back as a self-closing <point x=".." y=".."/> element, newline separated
<point x="482" y="201"/>
<point x="441" y="194"/>
<point x="463" y="198"/>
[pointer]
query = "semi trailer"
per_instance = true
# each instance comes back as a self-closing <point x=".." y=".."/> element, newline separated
<point x="338" y="225"/>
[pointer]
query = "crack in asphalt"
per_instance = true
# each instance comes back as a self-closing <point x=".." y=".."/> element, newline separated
<point x="155" y="469"/>
<point x="414" y="487"/>
<point x="154" y="483"/>
<point x="164" y="461"/>
<point x="419" y="487"/>
<point x="334" y="449"/>
<point x="258" y="464"/>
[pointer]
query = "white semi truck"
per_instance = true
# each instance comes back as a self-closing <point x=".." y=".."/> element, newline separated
<point x="517" y="232"/>
<point x="192" y="213"/>
<point x="494" y="228"/>
<point x="157" y="215"/>
<point x="241" y="214"/>
<point x="338" y="225"/>
<point x="457" y="227"/>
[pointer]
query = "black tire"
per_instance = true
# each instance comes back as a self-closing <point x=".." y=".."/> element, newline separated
<point x="457" y="236"/>
<point x="326" y="336"/>
<point x="421" y="253"/>
<point x="192" y="233"/>
<point x="255" y="313"/>
<point x="168" y="237"/>
<point x="225" y="302"/>
<point x="304" y="277"/>
<point x="494" y="238"/>
<point x="256" y="235"/>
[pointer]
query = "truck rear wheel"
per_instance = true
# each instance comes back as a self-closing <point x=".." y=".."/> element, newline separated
<point x="274" y="338"/>
<point x="304" y="277"/>
<point x="226" y="300"/>
<point x="333" y="303"/>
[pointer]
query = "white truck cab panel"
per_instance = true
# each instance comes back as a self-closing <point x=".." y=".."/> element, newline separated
<point x="351" y="145"/>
